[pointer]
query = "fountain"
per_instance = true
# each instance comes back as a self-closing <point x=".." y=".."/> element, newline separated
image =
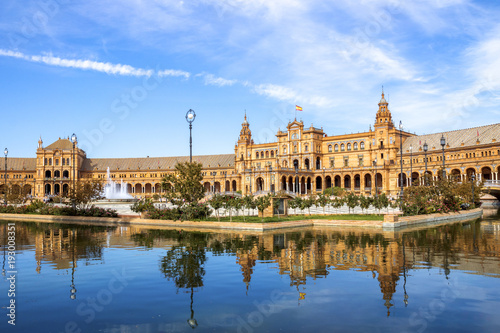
<point x="116" y="192"/>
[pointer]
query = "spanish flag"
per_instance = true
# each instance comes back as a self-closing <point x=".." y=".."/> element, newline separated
<point x="298" y="108"/>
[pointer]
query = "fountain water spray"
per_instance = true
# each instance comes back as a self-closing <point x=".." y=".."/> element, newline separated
<point x="114" y="190"/>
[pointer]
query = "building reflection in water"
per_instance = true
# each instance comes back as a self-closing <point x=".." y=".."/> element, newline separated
<point x="300" y="255"/>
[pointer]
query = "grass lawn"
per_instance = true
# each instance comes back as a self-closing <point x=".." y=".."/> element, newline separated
<point x="299" y="217"/>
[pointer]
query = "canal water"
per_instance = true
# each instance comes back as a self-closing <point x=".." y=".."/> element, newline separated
<point x="75" y="278"/>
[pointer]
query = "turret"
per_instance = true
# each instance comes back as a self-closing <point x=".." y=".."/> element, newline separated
<point x="383" y="117"/>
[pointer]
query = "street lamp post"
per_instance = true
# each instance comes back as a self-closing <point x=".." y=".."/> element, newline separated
<point x="271" y="176"/>
<point x="6" y="152"/>
<point x="411" y="165"/>
<point x="213" y="188"/>
<point x="472" y="179"/>
<point x="324" y="180"/>
<point x="190" y="116"/>
<point x="375" y="175"/>
<point x="401" y="153"/>
<point x="73" y="139"/>
<point x="443" y="143"/>
<point x="250" y="179"/>
<point x="426" y="147"/>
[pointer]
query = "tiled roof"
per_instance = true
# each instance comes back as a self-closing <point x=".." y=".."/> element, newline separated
<point x="454" y="139"/>
<point x="18" y="163"/>
<point x="155" y="163"/>
<point x="61" y="144"/>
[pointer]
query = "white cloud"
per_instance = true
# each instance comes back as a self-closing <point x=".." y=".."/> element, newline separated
<point x="173" y="72"/>
<point x="104" y="67"/>
<point x="212" y="80"/>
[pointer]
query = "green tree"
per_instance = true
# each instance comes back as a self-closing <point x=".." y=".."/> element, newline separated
<point x="262" y="203"/>
<point x="295" y="203"/>
<point x="364" y="202"/>
<point x="308" y="203"/>
<point x="142" y="206"/>
<point x="249" y="202"/>
<point x="334" y="191"/>
<point x="86" y="192"/>
<point x="184" y="185"/>
<point x="323" y="200"/>
<point x="237" y="203"/>
<point x="352" y="201"/>
<point x="337" y="203"/>
<point x="217" y="202"/>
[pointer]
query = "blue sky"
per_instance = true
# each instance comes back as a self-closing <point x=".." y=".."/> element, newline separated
<point x="123" y="74"/>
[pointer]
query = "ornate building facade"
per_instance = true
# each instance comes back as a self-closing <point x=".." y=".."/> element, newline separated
<point x="302" y="160"/>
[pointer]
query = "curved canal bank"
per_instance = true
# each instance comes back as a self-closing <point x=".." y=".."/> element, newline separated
<point x="391" y="222"/>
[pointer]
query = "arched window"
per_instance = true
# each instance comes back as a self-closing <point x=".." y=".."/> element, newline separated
<point x="362" y="145"/>
<point x="342" y="147"/>
<point x="336" y="148"/>
<point x="329" y="148"/>
<point x="306" y="148"/>
<point x="284" y="149"/>
<point x="257" y="155"/>
<point x="261" y="154"/>
<point x="348" y="146"/>
<point x="355" y="146"/>
<point x="267" y="154"/>
<point x="272" y="153"/>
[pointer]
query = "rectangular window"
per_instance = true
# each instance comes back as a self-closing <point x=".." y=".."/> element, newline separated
<point x="360" y="159"/>
<point x="332" y="162"/>
<point x="346" y="161"/>
<point x="57" y="161"/>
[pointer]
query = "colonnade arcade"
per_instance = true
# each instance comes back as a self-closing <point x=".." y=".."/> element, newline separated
<point x="463" y="174"/>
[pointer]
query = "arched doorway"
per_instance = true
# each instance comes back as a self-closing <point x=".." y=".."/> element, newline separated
<point x="147" y="188"/>
<point x="469" y="172"/>
<point x="217" y="187"/>
<point x="338" y="181"/>
<point x="404" y="179"/>
<point x="328" y="182"/>
<point x="65" y="174"/>
<point x="347" y="182"/>
<point x="283" y="183"/>
<point x="65" y="190"/>
<point x="415" y="178"/>
<point x="368" y="181"/>
<point x="486" y="173"/>
<point x="47" y="189"/>
<point x="234" y="186"/>
<point x="260" y="184"/>
<point x="206" y="187"/>
<point x="318" y="163"/>
<point x="378" y="182"/>
<point x="303" y="185"/>
<point x="357" y="182"/>
<point x="48" y="174"/>
<point x="306" y="164"/>
<point x="227" y="186"/>
<point x="319" y="183"/>
<point x="455" y="175"/>
<point x="295" y="164"/>
<point x="57" y="189"/>
<point x="308" y="184"/>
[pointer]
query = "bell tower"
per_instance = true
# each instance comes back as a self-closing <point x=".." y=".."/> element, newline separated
<point x="245" y="133"/>
<point x="383" y="118"/>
